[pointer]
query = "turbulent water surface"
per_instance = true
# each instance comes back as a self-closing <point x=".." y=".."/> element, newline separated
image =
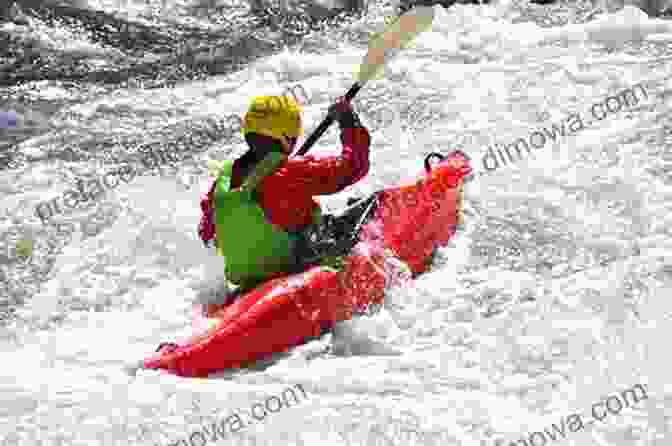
<point x="553" y="297"/>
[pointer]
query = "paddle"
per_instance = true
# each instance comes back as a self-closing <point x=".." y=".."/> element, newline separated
<point x="383" y="48"/>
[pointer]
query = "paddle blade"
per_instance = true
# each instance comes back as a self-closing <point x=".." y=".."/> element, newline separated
<point x="397" y="36"/>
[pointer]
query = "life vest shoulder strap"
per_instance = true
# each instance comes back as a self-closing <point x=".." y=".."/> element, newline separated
<point x="264" y="168"/>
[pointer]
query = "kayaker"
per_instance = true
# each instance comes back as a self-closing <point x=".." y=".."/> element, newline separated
<point x="258" y="207"/>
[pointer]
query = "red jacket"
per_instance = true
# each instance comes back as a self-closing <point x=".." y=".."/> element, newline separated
<point x="287" y="194"/>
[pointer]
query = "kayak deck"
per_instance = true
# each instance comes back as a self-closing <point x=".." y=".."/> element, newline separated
<point x="407" y="225"/>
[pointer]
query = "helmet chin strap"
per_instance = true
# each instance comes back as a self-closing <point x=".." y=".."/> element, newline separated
<point x="285" y="143"/>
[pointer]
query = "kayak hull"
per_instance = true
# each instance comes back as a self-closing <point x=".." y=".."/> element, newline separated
<point x="409" y="222"/>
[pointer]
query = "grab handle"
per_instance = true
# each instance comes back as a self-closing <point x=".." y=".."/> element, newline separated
<point x="428" y="166"/>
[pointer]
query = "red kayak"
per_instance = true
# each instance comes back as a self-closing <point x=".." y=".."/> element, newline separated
<point x="408" y="223"/>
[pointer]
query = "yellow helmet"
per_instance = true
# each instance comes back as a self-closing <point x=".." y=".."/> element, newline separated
<point x="275" y="116"/>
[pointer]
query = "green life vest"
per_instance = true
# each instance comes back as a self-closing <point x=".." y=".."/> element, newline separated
<point x="254" y="248"/>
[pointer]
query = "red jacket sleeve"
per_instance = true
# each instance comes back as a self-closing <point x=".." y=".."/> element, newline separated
<point x="329" y="174"/>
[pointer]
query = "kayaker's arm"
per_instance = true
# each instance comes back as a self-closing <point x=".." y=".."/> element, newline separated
<point x="329" y="174"/>
<point x="322" y="175"/>
<point x="354" y="137"/>
<point x="206" y="227"/>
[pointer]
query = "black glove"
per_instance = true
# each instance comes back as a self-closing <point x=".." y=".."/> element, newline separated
<point x="343" y="113"/>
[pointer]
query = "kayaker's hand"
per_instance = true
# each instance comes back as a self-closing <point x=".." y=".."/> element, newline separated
<point x="342" y="112"/>
<point x="342" y="105"/>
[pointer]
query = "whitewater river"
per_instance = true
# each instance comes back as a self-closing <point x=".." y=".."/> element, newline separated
<point x="553" y="299"/>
